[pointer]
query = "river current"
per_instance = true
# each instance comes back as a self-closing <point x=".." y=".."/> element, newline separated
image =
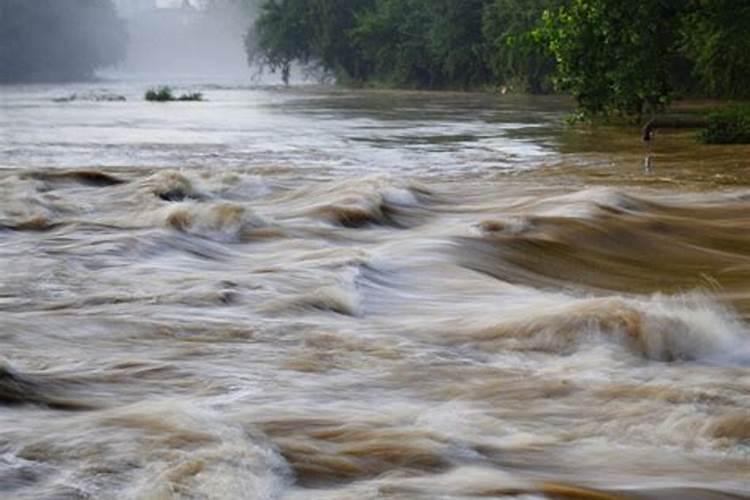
<point x="316" y="293"/>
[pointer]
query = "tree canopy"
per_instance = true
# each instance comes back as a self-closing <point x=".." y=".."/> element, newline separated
<point x="632" y="59"/>
<point x="613" y="56"/>
<point x="714" y="37"/>
<point x="432" y="44"/>
<point x="52" y="40"/>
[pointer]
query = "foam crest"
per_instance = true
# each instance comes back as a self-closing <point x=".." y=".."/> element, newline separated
<point x="660" y="329"/>
<point x="219" y="221"/>
<point x="378" y="201"/>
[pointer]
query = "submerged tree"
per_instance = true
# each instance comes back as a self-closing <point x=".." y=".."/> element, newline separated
<point x="282" y="36"/>
<point x="50" y="40"/>
<point x="302" y="31"/>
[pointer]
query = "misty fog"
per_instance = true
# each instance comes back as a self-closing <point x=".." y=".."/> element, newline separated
<point x="76" y="40"/>
<point x="186" y="39"/>
<point x="58" y="40"/>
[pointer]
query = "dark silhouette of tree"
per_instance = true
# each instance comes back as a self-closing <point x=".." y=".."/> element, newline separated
<point x="58" y="40"/>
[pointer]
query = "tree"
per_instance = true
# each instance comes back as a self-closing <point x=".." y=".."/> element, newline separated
<point x="394" y="37"/>
<point x="307" y="31"/>
<point x="516" y="58"/>
<point x="456" y="42"/>
<point x="282" y="36"/>
<point x="714" y="37"/>
<point x="405" y="43"/>
<point x="332" y="22"/>
<point x="614" y="57"/>
<point x="424" y="43"/>
<point x="413" y="43"/>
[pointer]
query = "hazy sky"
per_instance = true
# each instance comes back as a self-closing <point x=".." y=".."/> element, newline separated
<point x="128" y="6"/>
<point x="210" y="44"/>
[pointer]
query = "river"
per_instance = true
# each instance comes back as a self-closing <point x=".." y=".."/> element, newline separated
<point x="316" y="293"/>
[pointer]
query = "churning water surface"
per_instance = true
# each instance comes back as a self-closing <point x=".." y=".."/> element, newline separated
<point x="313" y="293"/>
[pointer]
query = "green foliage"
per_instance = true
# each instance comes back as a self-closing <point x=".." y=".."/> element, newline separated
<point x="715" y="39"/>
<point x="613" y="56"/>
<point x="728" y="126"/>
<point x="331" y="24"/>
<point x="52" y="40"/>
<point x="282" y="36"/>
<point x="632" y="58"/>
<point x="165" y="94"/>
<point x="161" y="94"/>
<point x="405" y="43"/>
<point x="394" y="36"/>
<point x="456" y="42"/>
<point x="627" y="59"/>
<point x="289" y="31"/>
<point x="516" y="58"/>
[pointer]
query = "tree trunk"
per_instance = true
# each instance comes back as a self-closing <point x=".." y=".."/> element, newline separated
<point x="672" y="121"/>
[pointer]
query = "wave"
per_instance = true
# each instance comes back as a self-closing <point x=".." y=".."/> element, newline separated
<point x="33" y="223"/>
<point x="170" y="185"/>
<point x="151" y="449"/>
<point x="479" y="481"/>
<point x="659" y="328"/>
<point x="220" y="221"/>
<point x="363" y="203"/>
<point x="27" y="205"/>
<point x="325" y="450"/>
<point x="341" y="299"/>
<point x="38" y="390"/>
<point x="609" y="241"/>
<point x="93" y="178"/>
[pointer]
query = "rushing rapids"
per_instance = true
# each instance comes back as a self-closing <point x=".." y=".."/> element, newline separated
<point x="325" y="294"/>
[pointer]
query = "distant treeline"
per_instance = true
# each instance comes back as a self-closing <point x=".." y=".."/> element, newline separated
<point x="430" y="44"/>
<point x="613" y="56"/>
<point x="58" y="40"/>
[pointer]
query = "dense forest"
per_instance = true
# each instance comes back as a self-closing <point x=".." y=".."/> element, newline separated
<point x="615" y="57"/>
<point x="56" y="40"/>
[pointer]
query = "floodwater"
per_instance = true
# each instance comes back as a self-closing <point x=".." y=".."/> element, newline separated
<point x="313" y="293"/>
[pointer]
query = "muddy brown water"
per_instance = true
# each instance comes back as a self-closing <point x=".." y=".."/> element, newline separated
<point x="317" y="293"/>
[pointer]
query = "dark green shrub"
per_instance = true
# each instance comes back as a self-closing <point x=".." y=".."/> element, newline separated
<point x="165" y="94"/>
<point x="161" y="94"/>
<point x="728" y="126"/>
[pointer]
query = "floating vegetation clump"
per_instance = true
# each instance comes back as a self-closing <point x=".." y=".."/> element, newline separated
<point x="166" y="94"/>
<point x="92" y="96"/>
